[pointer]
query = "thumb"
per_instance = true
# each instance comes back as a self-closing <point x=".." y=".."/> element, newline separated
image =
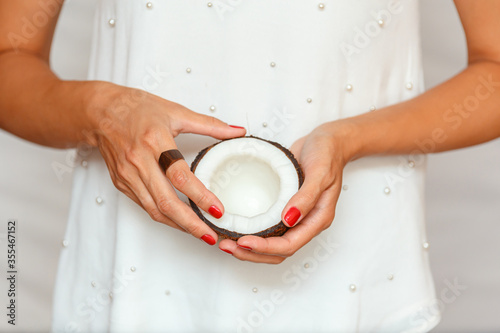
<point x="299" y="205"/>
<point x="193" y="122"/>
<point x="297" y="146"/>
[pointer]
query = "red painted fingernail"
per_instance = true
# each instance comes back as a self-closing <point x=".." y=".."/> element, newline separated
<point x="208" y="239"/>
<point x="215" y="212"/>
<point x="245" y="247"/>
<point x="227" y="251"/>
<point x="238" y="127"/>
<point x="292" y="216"/>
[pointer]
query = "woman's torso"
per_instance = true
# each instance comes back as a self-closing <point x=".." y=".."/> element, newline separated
<point x="280" y="68"/>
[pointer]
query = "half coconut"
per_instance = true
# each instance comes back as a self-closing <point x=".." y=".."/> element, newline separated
<point x="254" y="179"/>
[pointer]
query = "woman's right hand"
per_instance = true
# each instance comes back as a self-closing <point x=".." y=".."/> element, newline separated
<point x="132" y="129"/>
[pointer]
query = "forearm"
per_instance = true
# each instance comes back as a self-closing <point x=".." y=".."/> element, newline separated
<point x="39" y="107"/>
<point x="461" y="112"/>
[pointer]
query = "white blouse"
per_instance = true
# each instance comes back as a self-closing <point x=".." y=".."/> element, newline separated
<point x="280" y="68"/>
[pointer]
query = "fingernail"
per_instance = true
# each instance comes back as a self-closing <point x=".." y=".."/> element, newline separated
<point x="215" y="212"/>
<point x="227" y="251"/>
<point x="238" y="127"/>
<point x="248" y="248"/>
<point x="292" y="216"/>
<point x="208" y="239"/>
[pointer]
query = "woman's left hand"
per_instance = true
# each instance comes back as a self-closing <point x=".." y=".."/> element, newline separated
<point x="312" y="209"/>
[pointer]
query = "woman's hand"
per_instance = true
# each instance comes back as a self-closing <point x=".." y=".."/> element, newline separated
<point x="311" y="210"/>
<point x="133" y="129"/>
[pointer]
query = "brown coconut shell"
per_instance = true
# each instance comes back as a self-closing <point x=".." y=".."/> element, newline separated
<point x="276" y="230"/>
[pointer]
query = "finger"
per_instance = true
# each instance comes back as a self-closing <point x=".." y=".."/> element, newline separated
<point x="296" y="147"/>
<point x="138" y="192"/>
<point x="157" y="185"/>
<point x="231" y="247"/>
<point x="316" y="221"/>
<point x="149" y="205"/>
<point x="184" y="180"/>
<point x="170" y="205"/>
<point x="316" y="181"/>
<point x="111" y="162"/>
<point x="144" y="200"/>
<point x="187" y="121"/>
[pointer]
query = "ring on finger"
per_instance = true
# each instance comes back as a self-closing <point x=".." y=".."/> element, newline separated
<point x="169" y="157"/>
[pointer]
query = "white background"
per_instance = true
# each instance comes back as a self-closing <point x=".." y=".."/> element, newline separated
<point x="463" y="193"/>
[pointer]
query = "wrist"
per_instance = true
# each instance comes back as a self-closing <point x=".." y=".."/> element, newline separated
<point x="98" y="108"/>
<point x="345" y="134"/>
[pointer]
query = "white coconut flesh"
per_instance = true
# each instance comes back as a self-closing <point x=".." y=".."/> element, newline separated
<point x="252" y="178"/>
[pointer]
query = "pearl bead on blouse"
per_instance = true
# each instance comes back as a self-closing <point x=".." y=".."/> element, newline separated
<point x="348" y="87"/>
<point x="112" y="22"/>
<point x="149" y="5"/>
